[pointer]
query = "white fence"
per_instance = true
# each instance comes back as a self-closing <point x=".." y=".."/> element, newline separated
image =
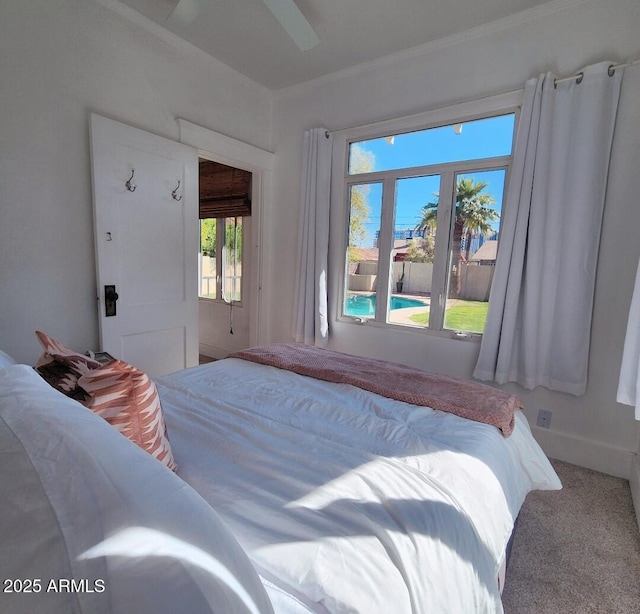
<point x="475" y="279"/>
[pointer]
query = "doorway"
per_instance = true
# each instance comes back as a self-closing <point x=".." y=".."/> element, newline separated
<point x="260" y="162"/>
<point x="224" y="259"/>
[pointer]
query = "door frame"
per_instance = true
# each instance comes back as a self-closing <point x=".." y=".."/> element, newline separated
<point x="260" y="162"/>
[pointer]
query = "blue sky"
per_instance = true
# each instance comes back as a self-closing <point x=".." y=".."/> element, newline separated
<point x="478" y="139"/>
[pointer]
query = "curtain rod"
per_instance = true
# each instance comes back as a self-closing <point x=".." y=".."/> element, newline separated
<point x="578" y="76"/>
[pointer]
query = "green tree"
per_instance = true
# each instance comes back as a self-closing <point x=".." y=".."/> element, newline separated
<point x="360" y="161"/>
<point x="233" y="237"/>
<point x="473" y="215"/>
<point x="421" y="250"/>
<point x="208" y="237"/>
<point x="474" y="212"/>
<point x="428" y="221"/>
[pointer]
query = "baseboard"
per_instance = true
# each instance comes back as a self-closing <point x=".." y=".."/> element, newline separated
<point x="586" y="453"/>
<point x="634" y="482"/>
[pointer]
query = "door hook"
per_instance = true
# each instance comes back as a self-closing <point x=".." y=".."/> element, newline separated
<point x="174" y="194"/>
<point x="129" y="185"/>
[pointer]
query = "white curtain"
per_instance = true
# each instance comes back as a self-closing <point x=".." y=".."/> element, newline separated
<point x="311" y="324"/>
<point x="629" y="383"/>
<point x="538" y="327"/>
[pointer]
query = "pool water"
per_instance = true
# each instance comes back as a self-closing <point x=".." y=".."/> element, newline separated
<point x="365" y="305"/>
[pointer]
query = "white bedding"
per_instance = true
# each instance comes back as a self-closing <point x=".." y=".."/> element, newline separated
<point x="350" y="501"/>
<point x="74" y="488"/>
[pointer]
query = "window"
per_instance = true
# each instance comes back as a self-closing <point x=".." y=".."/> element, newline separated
<point x="424" y="223"/>
<point x="221" y="258"/>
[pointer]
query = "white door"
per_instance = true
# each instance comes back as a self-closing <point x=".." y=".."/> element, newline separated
<point x="145" y="199"/>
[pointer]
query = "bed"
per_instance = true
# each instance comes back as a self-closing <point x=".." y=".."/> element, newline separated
<point x="319" y="496"/>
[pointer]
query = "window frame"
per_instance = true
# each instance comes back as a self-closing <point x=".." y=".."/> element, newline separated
<point x="508" y="103"/>
<point x="220" y="258"/>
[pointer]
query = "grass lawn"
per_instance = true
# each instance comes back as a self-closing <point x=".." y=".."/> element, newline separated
<point x="468" y="316"/>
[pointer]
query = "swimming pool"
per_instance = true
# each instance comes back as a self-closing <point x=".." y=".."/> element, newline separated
<point x="365" y="304"/>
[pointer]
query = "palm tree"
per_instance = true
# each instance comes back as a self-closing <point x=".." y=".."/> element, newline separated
<point x="473" y="210"/>
<point x="473" y="216"/>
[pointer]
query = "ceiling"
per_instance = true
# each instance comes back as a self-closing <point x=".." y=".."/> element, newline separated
<point x="245" y="35"/>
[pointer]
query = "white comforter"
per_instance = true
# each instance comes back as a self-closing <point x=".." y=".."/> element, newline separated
<point x="351" y="501"/>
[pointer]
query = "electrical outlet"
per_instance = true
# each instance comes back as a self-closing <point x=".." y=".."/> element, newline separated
<point x="544" y="418"/>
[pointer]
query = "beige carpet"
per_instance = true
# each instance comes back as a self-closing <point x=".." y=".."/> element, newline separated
<point x="576" y="550"/>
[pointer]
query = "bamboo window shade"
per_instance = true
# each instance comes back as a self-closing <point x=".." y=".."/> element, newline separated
<point x="224" y="191"/>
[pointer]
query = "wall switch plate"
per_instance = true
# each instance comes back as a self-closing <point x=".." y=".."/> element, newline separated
<point x="544" y="418"/>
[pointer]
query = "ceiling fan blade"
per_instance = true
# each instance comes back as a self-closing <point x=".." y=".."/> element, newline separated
<point x="185" y="11"/>
<point x="294" y="22"/>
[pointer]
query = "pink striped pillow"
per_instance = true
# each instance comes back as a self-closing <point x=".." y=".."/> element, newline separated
<point x="127" y="399"/>
<point x="61" y="366"/>
<point x="54" y="350"/>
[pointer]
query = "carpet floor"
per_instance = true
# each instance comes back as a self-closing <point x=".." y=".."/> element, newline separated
<point x="576" y="550"/>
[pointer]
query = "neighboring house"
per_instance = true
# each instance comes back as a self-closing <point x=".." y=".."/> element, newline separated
<point x="62" y="60"/>
<point x="486" y="253"/>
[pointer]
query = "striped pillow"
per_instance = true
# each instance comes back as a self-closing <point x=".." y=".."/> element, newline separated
<point x="61" y="367"/>
<point x="55" y="351"/>
<point x="128" y="400"/>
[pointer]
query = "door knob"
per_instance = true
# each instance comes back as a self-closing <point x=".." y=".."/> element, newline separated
<point x="110" y="298"/>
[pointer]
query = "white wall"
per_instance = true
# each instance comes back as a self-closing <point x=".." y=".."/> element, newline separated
<point x="59" y="60"/>
<point x="591" y="430"/>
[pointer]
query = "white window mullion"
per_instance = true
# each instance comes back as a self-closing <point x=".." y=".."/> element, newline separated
<point x="441" y="259"/>
<point x="385" y="246"/>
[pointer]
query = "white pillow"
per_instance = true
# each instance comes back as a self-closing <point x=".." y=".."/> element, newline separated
<point x="71" y="484"/>
<point x="6" y="360"/>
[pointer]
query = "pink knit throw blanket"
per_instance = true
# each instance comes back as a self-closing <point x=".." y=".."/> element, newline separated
<point x="458" y="396"/>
